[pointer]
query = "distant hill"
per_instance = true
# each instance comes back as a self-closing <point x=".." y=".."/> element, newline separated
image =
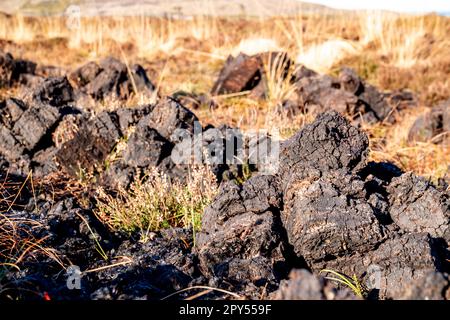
<point x="174" y="8"/>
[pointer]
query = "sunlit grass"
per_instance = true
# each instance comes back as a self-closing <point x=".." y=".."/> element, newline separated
<point x="156" y="202"/>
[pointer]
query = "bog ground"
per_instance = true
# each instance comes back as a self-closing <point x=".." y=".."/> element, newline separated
<point x="94" y="205"/>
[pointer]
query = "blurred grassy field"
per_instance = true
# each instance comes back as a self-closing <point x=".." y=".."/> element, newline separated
<point x="180" y="8"/>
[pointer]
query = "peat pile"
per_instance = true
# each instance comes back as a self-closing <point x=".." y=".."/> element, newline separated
<point x="50" y="129"/>
<point x="24" y="73"/>
<point x="110" y="78"/>
<point x="348" y="94"/>
<point x="47" y="133"/>
<point x="110" y="266"/>
<point x="326" y="208"/>
<point x="26" y="127"/>
<point x="433" y="125"/>
<point x="13" y="71"/>
<point x="314" y="93"/>
<point x="249" y="73"/>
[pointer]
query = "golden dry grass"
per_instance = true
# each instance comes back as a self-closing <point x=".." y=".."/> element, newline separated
<point x="17" y="238"/>
<point x="390" y="143"/>
<point x="158" y="202"/>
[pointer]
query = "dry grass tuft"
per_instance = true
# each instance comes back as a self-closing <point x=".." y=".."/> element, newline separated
<point x="390" y="143"/>
<point x="17" y="238"/>
<point x="156" y="202"/>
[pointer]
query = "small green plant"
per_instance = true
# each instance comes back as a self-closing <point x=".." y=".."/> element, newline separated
<point x="246" y="173"/>
<point x="156" y="202"/>
<point x="95" y="238"/>
<point x="117" y="150"/>
<point x="278" y="75"/>
<point x="351" y="282"/>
